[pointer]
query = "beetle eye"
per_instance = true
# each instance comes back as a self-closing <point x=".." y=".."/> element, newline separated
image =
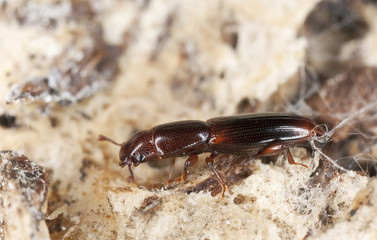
<point x="139" y="158"/>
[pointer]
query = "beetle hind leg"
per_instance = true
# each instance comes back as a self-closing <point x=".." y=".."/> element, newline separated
<point x="277" y="147"/>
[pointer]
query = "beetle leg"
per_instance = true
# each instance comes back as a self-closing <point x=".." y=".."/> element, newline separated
<point x="131" y="177"/>
<point x="172" y="168"/>
<point x="209" y="161"/>
<point x="277" y="147"/>
<point x="189" y="162"/>
<point x="290" y="158"/>
<point x="193" y="159"/>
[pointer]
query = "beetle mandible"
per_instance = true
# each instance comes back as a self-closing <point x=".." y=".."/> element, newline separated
<point x="262" y="134"/>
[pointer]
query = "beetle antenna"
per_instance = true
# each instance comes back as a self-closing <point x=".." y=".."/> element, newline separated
<point x="103" y="138"/>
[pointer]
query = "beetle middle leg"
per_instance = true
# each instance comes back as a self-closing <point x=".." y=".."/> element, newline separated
<point x="277" y="147"/>
<point x="210" y="161"/>
<point x="193" y="159"/>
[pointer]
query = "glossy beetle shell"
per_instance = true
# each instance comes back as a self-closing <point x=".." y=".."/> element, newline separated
<point x="248" y="131"/>
<point x="183" y="137"/>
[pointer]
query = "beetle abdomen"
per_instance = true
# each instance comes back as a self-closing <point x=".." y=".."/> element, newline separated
<point x="243" y="132"/>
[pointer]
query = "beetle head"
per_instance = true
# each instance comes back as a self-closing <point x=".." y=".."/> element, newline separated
<point x="137" y="149"/>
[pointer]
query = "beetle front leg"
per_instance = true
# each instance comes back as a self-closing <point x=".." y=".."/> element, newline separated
<point x="277" y="147"/>
<point x="172" y="168"/>
<point x="131" y="177"/>
<point x="210" y="160"/>
<point x="193" y="159"/>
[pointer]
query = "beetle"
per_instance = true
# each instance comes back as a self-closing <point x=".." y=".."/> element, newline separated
<point x="262" y="134"/>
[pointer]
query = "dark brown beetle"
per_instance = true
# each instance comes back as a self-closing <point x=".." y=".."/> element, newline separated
<point x="262" y="134"/>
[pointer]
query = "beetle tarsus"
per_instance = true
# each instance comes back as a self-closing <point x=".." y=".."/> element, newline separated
<point x="291" y="160"/>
